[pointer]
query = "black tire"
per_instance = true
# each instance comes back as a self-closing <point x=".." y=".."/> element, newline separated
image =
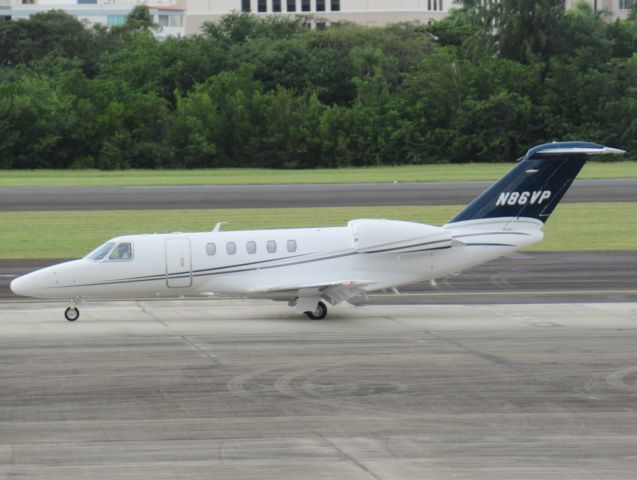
<point x="319" y="314"/>
<point x="71" y="314"/>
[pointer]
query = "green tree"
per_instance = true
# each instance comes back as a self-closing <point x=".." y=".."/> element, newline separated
<point x="52" y="33"/>
<point x="243" y="27"/>
<point x="522" y="30"/>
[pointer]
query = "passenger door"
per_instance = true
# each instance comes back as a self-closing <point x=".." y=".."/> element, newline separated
<point x="178" y="263"/>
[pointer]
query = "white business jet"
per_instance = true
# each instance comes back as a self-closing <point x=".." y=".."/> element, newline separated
<point x="312" y="267"/>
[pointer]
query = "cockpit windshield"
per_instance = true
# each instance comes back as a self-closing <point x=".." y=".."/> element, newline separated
<point x="100" y="252"/>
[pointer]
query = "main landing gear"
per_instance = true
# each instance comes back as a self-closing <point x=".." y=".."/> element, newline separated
<point x="319" y="314"/>
<point x="71" y="314"/>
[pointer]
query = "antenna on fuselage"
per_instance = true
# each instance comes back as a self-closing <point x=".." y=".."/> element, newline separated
<point x="218" y="226"/>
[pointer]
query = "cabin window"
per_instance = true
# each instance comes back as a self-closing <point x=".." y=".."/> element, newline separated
<point x="271" y="246"/>
<point x="100" y="252"/>
<point x="291" y="245"/>
<point x="124" y="251"/>
<point x="251" y="247"/>
<point x="231" y="248"/>
<point x="211" y="249"/>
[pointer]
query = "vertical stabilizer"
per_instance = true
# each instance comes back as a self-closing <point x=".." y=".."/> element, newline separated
<point x="534" y="187"/>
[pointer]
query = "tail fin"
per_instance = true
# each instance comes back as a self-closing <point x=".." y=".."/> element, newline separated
<point x="534" y="187"/>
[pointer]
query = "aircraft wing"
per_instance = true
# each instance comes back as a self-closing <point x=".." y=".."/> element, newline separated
<point x="334" y="292"/>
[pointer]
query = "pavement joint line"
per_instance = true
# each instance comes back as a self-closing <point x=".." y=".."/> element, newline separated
<point x="215" y="361"/>
<point x="350" y="458"/>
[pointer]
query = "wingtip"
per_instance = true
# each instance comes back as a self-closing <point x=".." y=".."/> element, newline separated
<point x="561" y="148"/>
<point x="615" y="151"/>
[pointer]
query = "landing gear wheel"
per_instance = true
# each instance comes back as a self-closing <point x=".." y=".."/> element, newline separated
<point x="319" y="314"/>
<point x="71" y="314"/>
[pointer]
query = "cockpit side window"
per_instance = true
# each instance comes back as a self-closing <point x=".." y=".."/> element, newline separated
<point x="100" y="252"/>
<point x="123" y="251"/>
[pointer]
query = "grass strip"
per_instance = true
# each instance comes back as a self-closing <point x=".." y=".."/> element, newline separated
<point x="405" y="173"/>
<point x="70" y="234"/>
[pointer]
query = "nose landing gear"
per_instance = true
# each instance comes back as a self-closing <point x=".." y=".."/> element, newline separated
<point x="71" y="313"/>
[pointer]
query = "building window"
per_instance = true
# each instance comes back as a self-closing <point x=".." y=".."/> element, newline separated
<point x="262" y="6"/>
<point x="245" y="5"/>
<point x="170" y="20"/>
<point x="291" y="246"/>
<point x="321" y="26"/>
<point x="625" y="4"/>
<point x="270" y="246"/>
<point x="113" y="20"/>
<point x="276" y="5"/>
<point x="211" y="249"/>
<point x="251" y="247"/>
<point x="305" y="5"/>
<point x="80" y="2"/>
<point x="320" y="5"/>
<point x="291" y="5"/>
<point x="336" y="5"/>
<point x="231" y="248"/>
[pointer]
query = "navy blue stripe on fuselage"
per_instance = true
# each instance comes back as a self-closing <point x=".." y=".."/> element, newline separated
<point x="213" y="271"/>
<point x="187" y="273"/>
<point x="394" y="249"/>
<point x="239" y="267"/>
<point x="491" y="233"/>
<point x="489" y="245"/>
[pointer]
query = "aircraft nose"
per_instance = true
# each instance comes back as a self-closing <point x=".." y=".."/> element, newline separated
<point x="20" y="286"/>
<point x="26" y="285"/>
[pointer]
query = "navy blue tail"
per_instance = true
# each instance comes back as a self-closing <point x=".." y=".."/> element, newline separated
<point x="534" y="187"/>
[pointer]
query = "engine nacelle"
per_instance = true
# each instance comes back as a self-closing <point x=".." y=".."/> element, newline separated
<point x="392" y="236"/>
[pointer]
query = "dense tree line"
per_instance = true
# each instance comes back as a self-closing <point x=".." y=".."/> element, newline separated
<point x="482" y="85"/>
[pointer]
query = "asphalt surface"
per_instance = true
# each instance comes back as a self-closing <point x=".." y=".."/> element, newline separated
<point x="234" y="390"/>
<point x="538" y="277"/>
<point x="257" y="196"/>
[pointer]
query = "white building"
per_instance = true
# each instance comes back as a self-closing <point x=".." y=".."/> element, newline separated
<point x="362" y="12"/>
<point x="5" y="10"/>
<point x="179" y="17"/>
<point x="107" y="12"/>
<point x="614" y="8"/>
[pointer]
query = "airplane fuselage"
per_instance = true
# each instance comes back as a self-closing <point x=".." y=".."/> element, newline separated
<point x="261" y="263"/>
<point x="310" y="266"/>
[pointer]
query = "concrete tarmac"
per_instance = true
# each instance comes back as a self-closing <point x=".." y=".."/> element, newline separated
<point x="258" y="196"/>
<point x="249" y="390"/>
